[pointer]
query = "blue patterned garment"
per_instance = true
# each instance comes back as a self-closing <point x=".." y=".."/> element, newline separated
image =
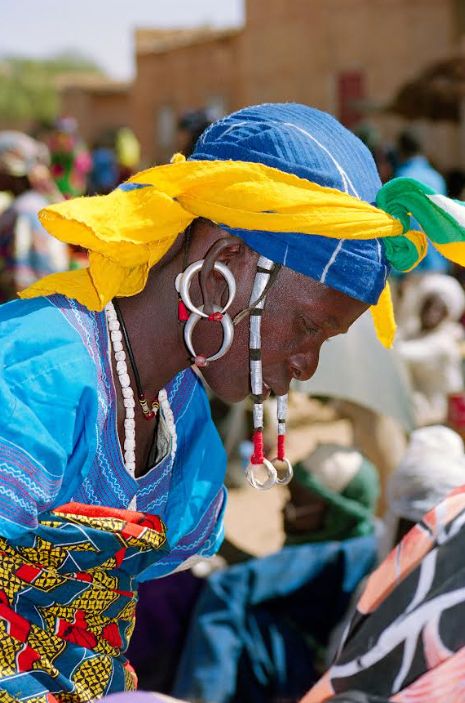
<point x="59" y="442"/>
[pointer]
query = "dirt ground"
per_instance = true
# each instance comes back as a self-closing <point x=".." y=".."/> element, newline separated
<point x="253" y="518"/>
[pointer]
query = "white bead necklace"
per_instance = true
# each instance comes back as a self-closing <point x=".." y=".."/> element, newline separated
<point x="129" y="448"/>
<point x="129" y="402"/>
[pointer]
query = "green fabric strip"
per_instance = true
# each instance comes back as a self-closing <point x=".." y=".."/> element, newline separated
<point x="441" y="218"/>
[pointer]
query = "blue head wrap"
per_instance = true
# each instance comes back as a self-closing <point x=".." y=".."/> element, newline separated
<point x="313" y="145"/>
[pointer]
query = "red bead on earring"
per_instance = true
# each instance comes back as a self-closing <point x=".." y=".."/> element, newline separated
<point x="183" y="312"/>
<point x="258" y="448"/>
<point x="281" y="447"/>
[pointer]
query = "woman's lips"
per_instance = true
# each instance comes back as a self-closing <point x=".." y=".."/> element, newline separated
<point x="269" y="388"/>
<point x="266" y="391"/>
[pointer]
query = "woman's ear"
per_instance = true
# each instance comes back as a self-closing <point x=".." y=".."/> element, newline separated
<point x="212" y="284"/>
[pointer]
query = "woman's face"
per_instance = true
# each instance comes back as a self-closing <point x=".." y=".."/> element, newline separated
<point x="304" y="512"/>
<point x="300" y="315"/>
<point x="432" y="313"/>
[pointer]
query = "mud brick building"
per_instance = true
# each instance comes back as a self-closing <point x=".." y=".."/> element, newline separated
<point x="339" y="55"/>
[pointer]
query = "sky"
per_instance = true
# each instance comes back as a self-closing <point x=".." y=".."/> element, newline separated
<point x="101" y="29"/>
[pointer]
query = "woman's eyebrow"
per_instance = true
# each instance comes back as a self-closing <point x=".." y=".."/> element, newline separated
<point x="328" y="323"/>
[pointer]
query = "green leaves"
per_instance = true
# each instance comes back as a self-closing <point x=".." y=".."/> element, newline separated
<point x="29" y="87"/>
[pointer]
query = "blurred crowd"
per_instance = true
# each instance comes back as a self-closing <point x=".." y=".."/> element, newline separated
<point x="247" y="628"/>
<point x="38" y="170"/>
<point x="52" y="164"/>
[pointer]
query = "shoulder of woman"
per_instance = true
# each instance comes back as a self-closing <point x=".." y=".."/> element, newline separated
<point x="38" y="343"/>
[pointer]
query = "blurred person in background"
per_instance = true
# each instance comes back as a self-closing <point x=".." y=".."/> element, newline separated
<point x="383" y="154"/>
<point x="104" y="174"/>
<point x="413" y="163"/>
<point x="70" y="160"/>
<point x="260" y="629"/>
<point x="27" y="251"/>
<point x="115" y="158"/>
<point x="333" y="496"/>
<point x="190" y="126"/>
<point x="405" y="640"/>
<point x="164" y="611"/>
<point x="71" y="164"/>
<point x="127" y="148"/>
<point x="455" y="179"/>
<point x="432" y="466"/>
<point x="431" y="344"/>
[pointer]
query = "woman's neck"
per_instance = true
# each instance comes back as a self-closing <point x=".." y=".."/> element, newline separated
<point x="153" y="329"/>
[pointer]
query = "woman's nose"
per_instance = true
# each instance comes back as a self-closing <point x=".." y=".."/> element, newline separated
<point x="303" y="366"/>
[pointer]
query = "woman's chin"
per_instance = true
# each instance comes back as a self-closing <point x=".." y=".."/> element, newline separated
<point x="224" y="391"/>
<point x="229" y="396"/>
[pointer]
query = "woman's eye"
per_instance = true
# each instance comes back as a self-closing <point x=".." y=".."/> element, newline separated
<point x="307" y="326"/>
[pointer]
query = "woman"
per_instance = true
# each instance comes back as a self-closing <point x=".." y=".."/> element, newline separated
<point x="432" y="466"/>
<point x="70" y="160"/>
<point x="333" y="496"/>
<point x="431" y="352"/>
<point x="27" y="251"/>
<point x="96" y="493"/>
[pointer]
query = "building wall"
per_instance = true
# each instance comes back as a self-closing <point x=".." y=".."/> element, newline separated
<point x="283" y="54"/>
<point x="96" y="111"/>
<point x="297" y="47"/>
<point x="303" y="49"/>
<point x="333" y="54"/>
<point x="167" y="84"/>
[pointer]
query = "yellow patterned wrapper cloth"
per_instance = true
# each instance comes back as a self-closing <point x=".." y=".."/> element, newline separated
<point x="74" y="579"/>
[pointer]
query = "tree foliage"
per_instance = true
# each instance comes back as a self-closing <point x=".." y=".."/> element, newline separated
<point x="29" y="87"/>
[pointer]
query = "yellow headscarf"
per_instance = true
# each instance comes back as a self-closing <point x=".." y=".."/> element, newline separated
<point x="129" y="230"/>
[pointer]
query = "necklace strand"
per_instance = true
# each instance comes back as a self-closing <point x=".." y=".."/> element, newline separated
<point x="129" y="447"/>
<point x="129" y="402"/>
<point x="150" y="411"/>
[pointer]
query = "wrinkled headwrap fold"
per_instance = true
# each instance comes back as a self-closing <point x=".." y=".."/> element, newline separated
<point x="129" y="230"/>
